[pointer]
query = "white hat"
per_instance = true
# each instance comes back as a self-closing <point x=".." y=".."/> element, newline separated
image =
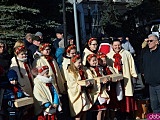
<point x="42" y="70"/>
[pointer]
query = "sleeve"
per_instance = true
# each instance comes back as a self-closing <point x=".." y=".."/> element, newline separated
<point x="131" y="49"/>
<point x="46" y="105"/>
<point x="56" y="99"/>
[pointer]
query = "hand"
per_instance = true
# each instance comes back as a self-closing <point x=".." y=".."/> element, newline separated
<point x="19" y="94"/>
<point x="55" y="105"/>
<point x="105" y="80"/>
<point x="88" y="83"/>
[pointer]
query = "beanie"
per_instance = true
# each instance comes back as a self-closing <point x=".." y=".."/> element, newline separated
<point x="42" y="70"/>
<point x="12" y="75"/>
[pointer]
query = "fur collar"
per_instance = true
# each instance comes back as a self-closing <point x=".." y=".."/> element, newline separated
<point x="22" y="59"/>
<point x="45" y="79"/>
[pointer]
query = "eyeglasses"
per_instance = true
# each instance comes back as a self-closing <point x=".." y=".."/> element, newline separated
<point x="1" y="46"/>
<point x="150" y="40"/>
<point x="94" y="44"/>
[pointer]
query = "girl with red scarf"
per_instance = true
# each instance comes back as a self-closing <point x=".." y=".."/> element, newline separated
<point x="114" y="89"/>
<point x="80" y="99"/>
<point x="122" y="62"/>
<point x="101" y="98"/>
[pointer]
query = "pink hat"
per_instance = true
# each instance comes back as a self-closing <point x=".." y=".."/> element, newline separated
<point x="42" y="70"/>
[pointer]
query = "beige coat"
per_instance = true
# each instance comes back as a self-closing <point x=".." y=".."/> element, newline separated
<point x="128" y="67"/>
<point x="65" y="63"/>
<point x="97" y="91"/>
<point x="86" y="52"/>
<point x="42" y="95"/>
<point x="60" y="80"/>
<point x="78" y="99"/>
<point x="24" y="82"/>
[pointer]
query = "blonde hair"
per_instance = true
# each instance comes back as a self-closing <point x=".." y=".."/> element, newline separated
<point x="74" y="70"/>
<point x="18" y="43"/>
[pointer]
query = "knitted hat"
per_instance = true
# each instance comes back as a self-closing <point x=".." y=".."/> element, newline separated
<point x="12" y="75"/>
<point x="38" y="34"/>
<point x="42" y="70"/>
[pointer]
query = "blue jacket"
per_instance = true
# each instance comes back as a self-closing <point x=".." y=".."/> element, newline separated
<point x="151" y="67"/>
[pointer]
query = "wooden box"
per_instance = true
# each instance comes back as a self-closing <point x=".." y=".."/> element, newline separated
<point x="23" y="101"/>
<point x="84" y="82"/>
<point x="112" y="77"/>
<point x="115" y="77"/>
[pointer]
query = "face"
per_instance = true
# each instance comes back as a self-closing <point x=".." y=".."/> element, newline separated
<point x="78" y="64"/>
<point x="13" y="82"/>
<point x="93" y="45"/>
<point x="72" y="53"/>
<point x="22" y="55"/>
<point x="29" y="39"/>
<point x="59" y="36"/>
<point x="117" y="46"/>
<point x="37" y="43"/>
<point x="120" y="38"/>
<point x="1" y="48"/>
<point x="46" y="51"/>
<point x="152" y="42"/>
<point x="93" y="61"/>
<point x="71" y="41"/>
<point x="104" y="62"/>
<point x="46" y="74"/>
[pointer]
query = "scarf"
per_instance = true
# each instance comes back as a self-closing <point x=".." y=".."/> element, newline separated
<point x="117" y="62"/>
<point x="50" y="61"/>
<point x="97" y="72"/>
<point x="15" y="90"/>
<point x="81" y="72"/>
<point x="106" y="70"/>
<point x="28" y="73"/>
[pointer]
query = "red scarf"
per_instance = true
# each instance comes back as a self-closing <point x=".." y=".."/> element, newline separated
<point x="15" y="90"/>
<point x="117" y="62"/>
<point x="81" y="72"/>
<point x="97" y="72"/>
<point x="50" y="61"/>
<point x="106" y="71"/>
<point x="29" y="74"/>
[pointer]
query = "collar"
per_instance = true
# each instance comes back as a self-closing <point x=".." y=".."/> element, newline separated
<point x="44" y="79"/>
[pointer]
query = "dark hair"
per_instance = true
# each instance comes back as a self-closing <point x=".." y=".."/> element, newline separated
<point x="116" y="40"/>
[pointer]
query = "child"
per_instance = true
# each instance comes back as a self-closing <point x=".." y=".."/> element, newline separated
<point x="100" y="97"/>
<point x="46" y="95"/>
<point x="114" y="88"/>
<point x="80" y="100"/>
<point x="23" y="69"/>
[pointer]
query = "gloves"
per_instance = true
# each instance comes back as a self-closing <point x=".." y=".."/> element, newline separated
<point x="19" y="94"/>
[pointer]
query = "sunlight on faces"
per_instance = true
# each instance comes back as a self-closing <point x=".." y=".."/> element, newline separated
<point x="93" y="45"/>
<point x="93" y="61"/>
<point x="78" y="64"/>
<point x="116" y="46"/>
<point x="22" y="55"/>
<point x="72" y="53"/>
<point x="13" y="82"/>
<point x="46" y="51"/>
<point x="152" y="42"/>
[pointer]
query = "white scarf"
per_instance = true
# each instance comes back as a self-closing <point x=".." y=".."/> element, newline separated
<point x="22" y="59"/>
<point x="45" y="79"/>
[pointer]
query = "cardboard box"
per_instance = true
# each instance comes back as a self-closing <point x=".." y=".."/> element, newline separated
<point x="23" y="101"/>
<point x="84" y="82"/>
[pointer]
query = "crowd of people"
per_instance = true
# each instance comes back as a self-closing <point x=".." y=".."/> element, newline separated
<point x="51" y="74"/>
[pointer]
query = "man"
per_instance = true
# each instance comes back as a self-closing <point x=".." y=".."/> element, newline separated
<point x="58" y="46"/>
<point x="126" y="44"/>
<point x="33" y="48"/>
<point x="28" y="40"/>
<point x="151" y="71"/>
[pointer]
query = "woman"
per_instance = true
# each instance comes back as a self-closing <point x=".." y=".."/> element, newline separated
<point x="79" y="96"/>
<point x="122" y="62"/>
<point x="69" y="53"/>
<point x="23" y="69"/>
<point x="54" y="71"/>
<point x="91" y="48"/>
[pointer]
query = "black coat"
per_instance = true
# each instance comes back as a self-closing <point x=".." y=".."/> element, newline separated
<point x="151" y="67"/>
